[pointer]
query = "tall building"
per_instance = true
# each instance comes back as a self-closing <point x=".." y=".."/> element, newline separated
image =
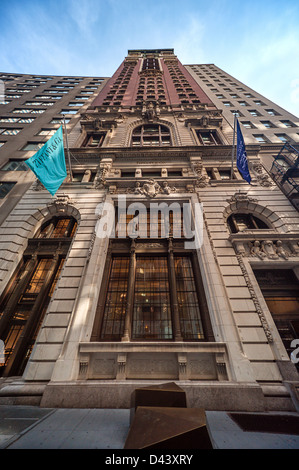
<point x="155" y="261"/>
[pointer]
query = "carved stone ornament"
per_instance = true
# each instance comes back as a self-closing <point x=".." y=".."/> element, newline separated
<point x="202" y="181"/>
<point x="241" y="197"/>
<point x="262" y="177"/>
<point x="268" y="249"/>
<point x="61" y="201"/>
<point x="150" y="111"/>
<point x="100" y="180"/>
<point x="150" y="188"/>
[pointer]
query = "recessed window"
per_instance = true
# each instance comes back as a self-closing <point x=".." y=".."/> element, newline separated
<point x="174" y="173"/>
<point x="127" y="174"/>
<point x="46" y="132"/>
<point x="94" y="140"/>
<point x="253" y="112"/>
<point x="15" y="165"/>
<point x="37" y="111"/>
<point x="240" y="222"/>
<point x="272" y="112"/>
<point x="209" y="137"/>
<point x="60" y="121"/>
<point x="248" y="125"/>
<point x="5" y="188"/>
<point x="259" y="103"/>
<point x="8" y="119"/>
<point x="1" y="144"/>
<point x="69" y="111"/>
<point x="260" y="138"/>
<point x="225" y="174"/>
<point x="76" y="104"/>
<point x="227" y="103"/>
<point x="288" y="123"/>
<point x="30" y="146"/>
<point x="283" y="137"/>
<point x="151" y="135"/>
<point x="9" y="131"/>
<point x="243" y="103"/>
<point x="26" y="120"/>
<point x="22" y="111"/>
<point x="267" y="124"/>
<point x="237" y="113"/>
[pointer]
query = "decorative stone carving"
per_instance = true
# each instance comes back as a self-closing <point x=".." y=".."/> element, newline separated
<point x="281" y="251"/>
<point x="241" y="197"/>
<point x="167" y="189"/>
<point x="256" y="250"/>
<point x="100" y="180"/>
<point x="202" y="180"/>
<point x="255" y="299"/>
<point x="150" y="112"/>
<point x="150" y="188"/>
<point x="262" y="177"/>
<point x="61" y="202"/>
<point x="269" y="249"/>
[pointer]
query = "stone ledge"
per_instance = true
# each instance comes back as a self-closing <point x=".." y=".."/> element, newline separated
<point x="116" y="394"/>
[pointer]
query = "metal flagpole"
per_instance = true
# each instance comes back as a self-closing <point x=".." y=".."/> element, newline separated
<point x="233" y="149"/>
<point x="68" y="151"/>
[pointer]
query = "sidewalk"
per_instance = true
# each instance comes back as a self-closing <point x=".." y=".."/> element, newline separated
<point x="26" y="427"/>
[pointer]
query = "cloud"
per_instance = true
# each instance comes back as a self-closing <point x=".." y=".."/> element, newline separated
<point x="85" y="13"/>
<point x="188" y="43"/>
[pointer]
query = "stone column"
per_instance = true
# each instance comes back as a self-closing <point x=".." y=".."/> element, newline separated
<point x="173" y="294"/>
<point x="130" y="294"/>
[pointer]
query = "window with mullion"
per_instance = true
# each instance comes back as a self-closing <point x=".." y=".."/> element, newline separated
<point x="116" y="299"/>
<point x="152" y="309"/>
<point x="190" y="319"/>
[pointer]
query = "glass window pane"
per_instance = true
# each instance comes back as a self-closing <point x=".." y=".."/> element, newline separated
<point x="190" y="319"/>
<point x="152" y="312"/>
<point x="116" y="300"/>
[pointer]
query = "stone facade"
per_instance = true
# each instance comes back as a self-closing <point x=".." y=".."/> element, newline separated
<point x="242" y="364"/>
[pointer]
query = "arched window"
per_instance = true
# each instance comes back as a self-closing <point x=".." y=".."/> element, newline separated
<point x="240" y="222"/>
<point x="151" y="135"/>
<point x="26" y="299"/>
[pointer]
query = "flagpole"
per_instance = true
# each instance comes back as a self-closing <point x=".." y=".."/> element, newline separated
<point x="68" y="151"/>
<point x="233" y="149"/>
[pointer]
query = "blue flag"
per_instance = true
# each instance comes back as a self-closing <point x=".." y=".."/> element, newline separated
<point x="242" y="163"/>
<point x="48" y="164"/>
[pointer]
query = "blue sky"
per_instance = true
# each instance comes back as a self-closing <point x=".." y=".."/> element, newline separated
<point x="256" y="41"/>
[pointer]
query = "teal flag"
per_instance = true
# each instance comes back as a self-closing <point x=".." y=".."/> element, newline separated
<point x="48" y="164"/>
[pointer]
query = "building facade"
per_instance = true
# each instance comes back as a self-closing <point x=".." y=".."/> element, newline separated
<point x="155" y="261"/>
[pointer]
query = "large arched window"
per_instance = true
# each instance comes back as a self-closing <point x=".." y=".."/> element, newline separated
<point x="240" y="222"/>
<point x="24" y="304"/>
<point x="151" y="135"/>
